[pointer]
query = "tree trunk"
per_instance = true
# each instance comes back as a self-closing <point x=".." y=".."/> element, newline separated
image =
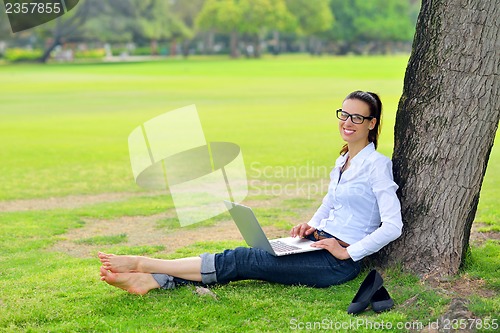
<point x="208" y="44"/>
<point x="445" y="127"/>
<point x="48" y="50"/>
<point x="154" y="46"/>
<point x="173" y="47"/>
<point x="256" y="46"/>
<point x="234" y="45"/>
<point x="67" y="27"/>
<point x="276" y="42"/>
<point x="185" y="48"/>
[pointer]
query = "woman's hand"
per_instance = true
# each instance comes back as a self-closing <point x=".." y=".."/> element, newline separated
<point x="302" y="230"/>
<point x="332" y="246"/>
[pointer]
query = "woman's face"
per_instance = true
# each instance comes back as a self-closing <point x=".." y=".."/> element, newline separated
<point x="351" y="132"/>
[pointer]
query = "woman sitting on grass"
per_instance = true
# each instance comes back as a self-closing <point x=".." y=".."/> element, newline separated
<point x="359" y="215"/>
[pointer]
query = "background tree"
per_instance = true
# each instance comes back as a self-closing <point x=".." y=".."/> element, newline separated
<point x="314" y="17"/>
<point x="154" y="21"/>
<point x="186" y="12"/>
<point x="375" y="21"/>
<point x="247" y="18"/>
<point x="261" y="16"/>
<point x="151" y="20"/>
<point x="65" y="26"/>
<point x="109" y="23"/>
<point x="445" y="127"/>
<point x="222" y="16"/>
<point x="282" y="21"/>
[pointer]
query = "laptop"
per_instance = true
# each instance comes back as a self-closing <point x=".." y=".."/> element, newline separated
<point x="253" y="234"/>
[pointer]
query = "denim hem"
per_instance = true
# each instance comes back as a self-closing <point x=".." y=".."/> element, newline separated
<point x="164" y="280"/>
<point x="208" y="273"/>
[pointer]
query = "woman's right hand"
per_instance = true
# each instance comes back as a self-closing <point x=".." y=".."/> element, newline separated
<point x="302" y="230"/>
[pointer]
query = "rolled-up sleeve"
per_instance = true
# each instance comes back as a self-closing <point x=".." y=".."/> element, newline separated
<point x="384" y="189"/>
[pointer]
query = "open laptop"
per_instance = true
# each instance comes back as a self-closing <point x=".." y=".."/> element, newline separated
<point x="253" y="234"/>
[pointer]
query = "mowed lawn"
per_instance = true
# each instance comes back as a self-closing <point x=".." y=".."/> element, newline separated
<point x="63" y="132"/>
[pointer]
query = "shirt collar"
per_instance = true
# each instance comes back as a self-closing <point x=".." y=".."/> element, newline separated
<point x="360" y="157"/>
<point x="363" y="154"/>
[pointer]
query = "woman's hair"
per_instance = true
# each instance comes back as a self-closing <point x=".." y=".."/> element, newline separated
<point x="375" y="105"/>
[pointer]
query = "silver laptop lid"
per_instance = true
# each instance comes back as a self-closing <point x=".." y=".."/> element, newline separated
<point x="249" y="227"/>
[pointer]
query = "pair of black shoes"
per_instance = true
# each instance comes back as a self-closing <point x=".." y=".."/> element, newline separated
<point x="371" y="291"/>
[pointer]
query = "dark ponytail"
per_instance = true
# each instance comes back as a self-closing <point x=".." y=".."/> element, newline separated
<point x="375" y="106"/>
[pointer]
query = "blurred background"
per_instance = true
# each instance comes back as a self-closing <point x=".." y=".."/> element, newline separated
<point x="117" y="29"/>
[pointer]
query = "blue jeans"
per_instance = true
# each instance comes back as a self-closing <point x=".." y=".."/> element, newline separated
<point x="315" y="269"/>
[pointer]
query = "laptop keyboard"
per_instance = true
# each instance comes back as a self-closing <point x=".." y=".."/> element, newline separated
<point x="279" y="246"/>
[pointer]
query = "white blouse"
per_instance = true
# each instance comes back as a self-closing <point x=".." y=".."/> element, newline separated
<point x="361" y="208"/>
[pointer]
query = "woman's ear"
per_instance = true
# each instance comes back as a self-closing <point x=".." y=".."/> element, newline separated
<point x="373" y="122"/>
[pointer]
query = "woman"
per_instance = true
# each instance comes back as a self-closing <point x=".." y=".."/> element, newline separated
<point x="359" y="215"/>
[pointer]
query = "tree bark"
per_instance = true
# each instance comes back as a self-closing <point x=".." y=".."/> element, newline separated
<point x="185" y="48"/>
<point x="234" y="44"/>
<point x="445" y="127"/>
<point x="48" y="50"/>
<point x="256" y="46"/>
<point x="173" y="47"/>
<point x="154" y="46"/>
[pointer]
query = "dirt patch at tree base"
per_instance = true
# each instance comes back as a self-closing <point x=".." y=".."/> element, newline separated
<point x="457" y="314"/>
<point x="479" y="237"/>
<point x="67" y="202"/>
<point x="463" y="286"/>
<point x="148" y="230"/>
<point x="144" y="230"/>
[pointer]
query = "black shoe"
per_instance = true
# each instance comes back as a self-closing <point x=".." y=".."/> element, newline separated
<point x="368" y="288"/>
<point x="381" y="301"/>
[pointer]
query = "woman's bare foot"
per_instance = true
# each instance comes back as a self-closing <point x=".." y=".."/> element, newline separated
<point x="134" y="283"/>
<point x="119" y="264"/>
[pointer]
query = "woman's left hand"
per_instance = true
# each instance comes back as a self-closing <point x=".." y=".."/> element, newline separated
<point x="332" y="246"/>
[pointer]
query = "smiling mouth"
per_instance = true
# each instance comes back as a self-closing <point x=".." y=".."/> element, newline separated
<point x="348" y="131"/>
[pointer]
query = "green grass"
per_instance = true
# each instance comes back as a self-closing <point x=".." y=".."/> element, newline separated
<point x="67" y="125"/>
<point x="64" y="131"/>
<point x="103" y="240"/>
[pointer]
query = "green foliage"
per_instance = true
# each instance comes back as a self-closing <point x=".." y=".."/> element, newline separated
<point x="281" y="18"/>
<point x="108" y="21"/>
<point x="145" y="21"/>
<point x="313" y="16"/>
<point x="377" y="20"/>
<point x="249" y="17"/>
<point x="263" y="14"/>
<point x="255" y="16"/>
<point x="220" y="15"/>
<point x="90" y="54"/>
<point x="22" y="55"/>
<point x="154" y="21"/>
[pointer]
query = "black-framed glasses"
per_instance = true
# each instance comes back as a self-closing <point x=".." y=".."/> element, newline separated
<point x="355" y="118"/>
